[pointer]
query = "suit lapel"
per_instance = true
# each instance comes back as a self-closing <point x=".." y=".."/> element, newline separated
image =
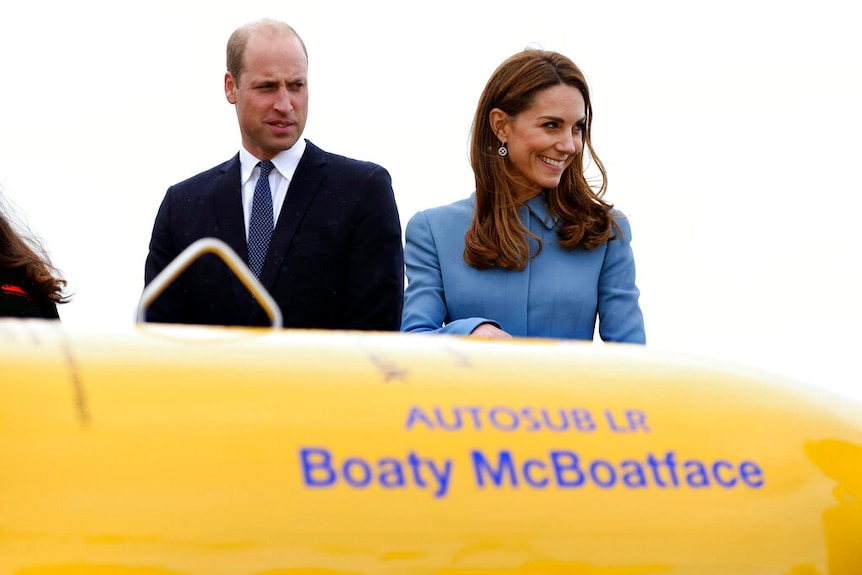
<point x="306" y="181"/>
<point x="229" y="216"/>
<point x="228" y="206"/>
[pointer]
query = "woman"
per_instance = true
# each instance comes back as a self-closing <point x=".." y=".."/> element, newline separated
<point x="536" y="251"/>
<point x="29" y="284"/>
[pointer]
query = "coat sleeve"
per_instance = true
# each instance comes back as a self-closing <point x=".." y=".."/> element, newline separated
<point x="424" y="300"/>
<point x="375" y="290"/>
<point x="620" y="316"/>
<point x="168" y="307"/>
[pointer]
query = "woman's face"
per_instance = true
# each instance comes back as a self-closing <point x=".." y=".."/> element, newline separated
<point x="544" y="138"/>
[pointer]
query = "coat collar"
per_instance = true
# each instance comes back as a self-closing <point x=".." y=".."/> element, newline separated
<point x="309" y="175"/>
<point x="307" y="179"/>
<point x="538" y="207"/>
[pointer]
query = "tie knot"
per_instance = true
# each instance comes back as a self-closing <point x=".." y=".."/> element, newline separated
<point x="265" y="168"/>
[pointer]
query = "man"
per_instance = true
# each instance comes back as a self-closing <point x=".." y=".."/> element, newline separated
<point x="334" y="259"/>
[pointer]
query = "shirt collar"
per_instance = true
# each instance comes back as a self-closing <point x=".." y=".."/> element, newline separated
<point x="285" y="161"/>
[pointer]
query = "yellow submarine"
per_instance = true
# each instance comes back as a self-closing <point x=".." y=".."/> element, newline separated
<point x="185" y="450"/>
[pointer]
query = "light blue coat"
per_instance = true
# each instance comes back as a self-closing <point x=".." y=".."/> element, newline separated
<point x="560" y="293"/>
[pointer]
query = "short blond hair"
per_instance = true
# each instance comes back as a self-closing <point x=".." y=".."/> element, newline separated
<point x="238" y="41"/>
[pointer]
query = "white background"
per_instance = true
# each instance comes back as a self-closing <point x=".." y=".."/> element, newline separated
<point x="730" y="131"/>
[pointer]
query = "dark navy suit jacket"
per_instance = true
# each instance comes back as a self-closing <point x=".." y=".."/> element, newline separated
<point x="335" y="260"/>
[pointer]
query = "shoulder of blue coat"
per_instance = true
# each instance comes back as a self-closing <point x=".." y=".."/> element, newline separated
<point x="622" y="221"/>
<point x="455" y="211"/>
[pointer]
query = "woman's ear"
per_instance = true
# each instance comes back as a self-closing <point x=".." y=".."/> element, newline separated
<point x="499" y="121"/>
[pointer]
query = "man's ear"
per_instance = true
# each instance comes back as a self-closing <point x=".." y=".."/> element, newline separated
<point x="230" y="88"/>
<point x="499" y="121"/>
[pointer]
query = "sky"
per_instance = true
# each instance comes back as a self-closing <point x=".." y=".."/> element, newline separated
<point x="730" y="131"/>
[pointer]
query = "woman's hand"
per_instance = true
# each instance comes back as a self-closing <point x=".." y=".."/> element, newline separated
<point x="489" y="331"/>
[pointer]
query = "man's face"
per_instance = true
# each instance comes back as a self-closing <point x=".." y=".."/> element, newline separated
<point x="271" y="96"/>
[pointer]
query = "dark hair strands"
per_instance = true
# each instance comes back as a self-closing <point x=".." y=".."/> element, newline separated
<point x="27" y="258"/>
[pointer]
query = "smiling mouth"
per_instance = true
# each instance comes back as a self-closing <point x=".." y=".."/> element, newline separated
<point x="553" y="162"/>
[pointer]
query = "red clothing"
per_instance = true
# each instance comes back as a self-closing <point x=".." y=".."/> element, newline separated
<point x="15" y="301"/>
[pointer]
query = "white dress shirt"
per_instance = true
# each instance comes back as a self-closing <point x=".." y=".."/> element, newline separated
<point x="279" y="179"/>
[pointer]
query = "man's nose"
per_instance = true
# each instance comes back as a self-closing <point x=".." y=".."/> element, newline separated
<point x="283" y="102"/>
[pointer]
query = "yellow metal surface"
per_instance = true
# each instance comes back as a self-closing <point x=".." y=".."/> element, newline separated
<point x="169" y="450"/>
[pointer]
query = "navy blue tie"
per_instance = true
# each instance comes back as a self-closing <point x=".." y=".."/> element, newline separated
<point x="261" y="223"/>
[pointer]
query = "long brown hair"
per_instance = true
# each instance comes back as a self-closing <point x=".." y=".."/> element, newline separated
<point x="25" y="258"/>
<point x="496" y="236"/>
